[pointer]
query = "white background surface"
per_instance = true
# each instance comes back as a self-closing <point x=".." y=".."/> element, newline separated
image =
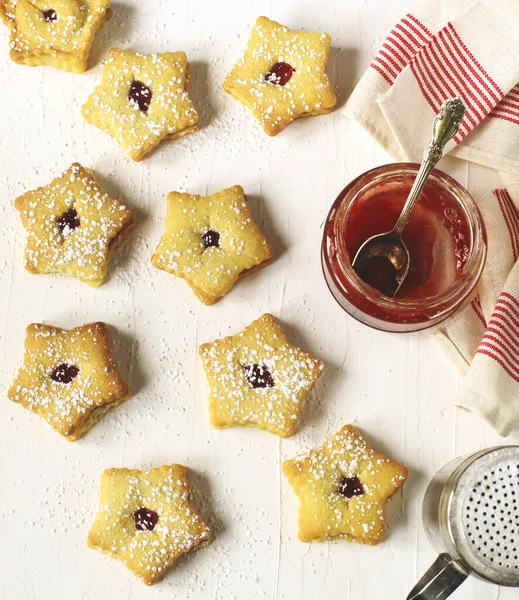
<point x="398" y="389"/>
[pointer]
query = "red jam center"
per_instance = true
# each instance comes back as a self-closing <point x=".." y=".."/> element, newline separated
<point x="140" y="95"/>
<point x="280" y="74"/>
<point x="145" y="519"/>
<point x="351" y="486"/>
<point x="64" y="373"/>
<point x="50" y="15"/>
<point x="436" y="236"/>
<point x="211" y="238"/>
<point x="258" y="376"/>
<point x="68" y="221"/>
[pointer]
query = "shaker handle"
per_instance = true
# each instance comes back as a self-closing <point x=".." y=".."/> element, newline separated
<point x="440" y="580"/>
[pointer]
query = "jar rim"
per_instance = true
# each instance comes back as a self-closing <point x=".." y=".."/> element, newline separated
<point x="455" y="294"/>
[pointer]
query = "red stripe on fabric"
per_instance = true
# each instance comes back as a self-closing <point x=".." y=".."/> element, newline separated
<point x="504" y="118"/>
<point x="505" y="331"/>
<point x="411" y="38"/>
<point x="511" y="363"/>
<point x="383" y="73"/>
<point x="486" y="77"/>
<point x="470" y="79"/>
<point x="396" y="56"/>
<point x="392" y="38"/>
<point x="415" y="30"/>
<point x="391" y="60"/>
<point x="504" y="336"/>
<point x="511" y="298"/>
<point x="420" y="24"/>
<point x="499" y="362"/>
<point x="507" y="207"/>
<point x="406" y="42"/>
<point x="429" y="78"/>
<point x="509" y="101"/>
<point x="513" y="100"/>
<point x="504" y="321"/>
<point x="424" y="86"/>
<point x="429" y="53"/>
<point x="512" y="212"/>
<point x="507" y="111"/>
<point x="476" y="307"/>
<point x="455" y="51"/>
<point x="384" y="65"/>
<point x="505" y="312"/>
<point x="434" y="76"/>
<point x="500" y="325"/>
<point x="506" y="348"/>
<point x="455" y="87"/>
<point x="464" y="79"/>
<point x="506" y="217"/>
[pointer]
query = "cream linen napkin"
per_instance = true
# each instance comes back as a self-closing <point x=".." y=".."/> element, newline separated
<point x="465" y="48"/>
<point x="447" y="48"/>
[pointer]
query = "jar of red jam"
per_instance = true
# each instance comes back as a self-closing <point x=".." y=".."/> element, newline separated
<point x="445" y="236"/>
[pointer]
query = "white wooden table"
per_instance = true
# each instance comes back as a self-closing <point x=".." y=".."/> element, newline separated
<point x="398" y="389"/>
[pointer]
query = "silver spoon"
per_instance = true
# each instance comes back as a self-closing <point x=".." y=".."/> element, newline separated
<point x="386" y="254"/>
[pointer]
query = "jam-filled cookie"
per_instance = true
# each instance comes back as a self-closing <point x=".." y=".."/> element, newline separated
<point x="282" y="75"/>
<point x="72" y="226"/>
<point x="258" y="379"/>
<point x="146" y="520"/>
<point x="68" y="377"/>
<point x="142" y="99"/>
<point x="54" y="32"/>
<point x="211" y="242"/>
<point x="343" y="488"/>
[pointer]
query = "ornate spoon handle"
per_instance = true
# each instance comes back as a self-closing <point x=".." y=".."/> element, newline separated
<point x="445" y="127"/>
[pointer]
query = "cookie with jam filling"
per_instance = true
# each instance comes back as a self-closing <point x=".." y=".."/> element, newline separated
<point x="146" y="520"/>
<point x="59" y="33"/>
<point x="282" y="75"/>
<point x="142" y="99"/>
<point x="211" y="242"/>
<point x="68" y="377"/>
<point x="258" y="379"/>
<point x="72" y="226"/>
<point x="343" y="489"/>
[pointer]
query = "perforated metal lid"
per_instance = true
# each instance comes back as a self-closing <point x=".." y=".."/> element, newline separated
<point x="483" y="516"/>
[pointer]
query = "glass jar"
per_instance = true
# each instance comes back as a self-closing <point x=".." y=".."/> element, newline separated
<point x="427" y="303"/>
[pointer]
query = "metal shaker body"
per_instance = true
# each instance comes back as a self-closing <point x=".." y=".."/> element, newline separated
<point x="471" y="516"/>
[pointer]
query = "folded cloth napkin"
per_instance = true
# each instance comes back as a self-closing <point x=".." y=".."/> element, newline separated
<point x="466" y="48"/>
<point x="443" y="49"/>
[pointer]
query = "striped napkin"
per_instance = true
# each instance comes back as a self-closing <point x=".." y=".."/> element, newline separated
<point x="468" y="48"/>
<point x="444" y="49"/>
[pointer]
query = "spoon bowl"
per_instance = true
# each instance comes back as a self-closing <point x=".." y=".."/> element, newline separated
<point x="383" y="262"/>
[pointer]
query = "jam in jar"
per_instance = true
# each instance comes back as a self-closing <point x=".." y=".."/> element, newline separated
<point x="445" y="237"/>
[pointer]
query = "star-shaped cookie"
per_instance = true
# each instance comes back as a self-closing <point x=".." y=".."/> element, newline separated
<point x="69" y="377"/>
<point x="146" y="519"/>
<point x="211" y="242"/>
<point x="282" y="75"/>
<point x="72" y="226"/>
<point x="142" y="99"/>
<point x="54" y="32"/>
<point x="258" y="379"/>
<point x="343" y="488"/>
